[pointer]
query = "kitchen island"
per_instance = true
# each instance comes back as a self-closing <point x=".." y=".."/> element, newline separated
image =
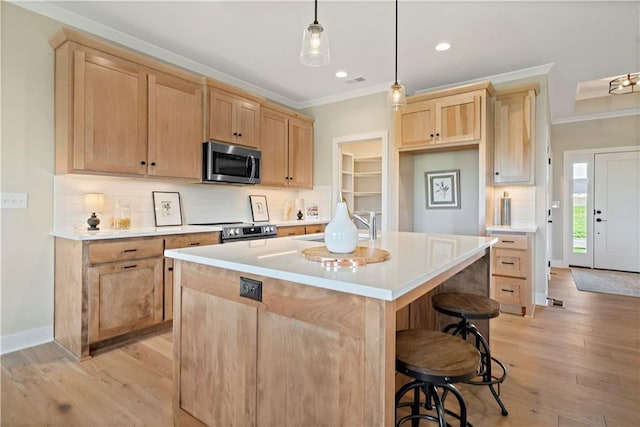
<point x="315" y="345"/>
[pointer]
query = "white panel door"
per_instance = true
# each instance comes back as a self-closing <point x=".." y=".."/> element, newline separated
<point x="617" y="211"/>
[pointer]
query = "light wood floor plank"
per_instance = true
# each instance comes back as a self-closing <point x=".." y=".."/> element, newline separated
<point x="572" y="366"/>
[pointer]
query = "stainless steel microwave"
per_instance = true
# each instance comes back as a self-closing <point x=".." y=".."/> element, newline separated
<point x="223" y="162"/>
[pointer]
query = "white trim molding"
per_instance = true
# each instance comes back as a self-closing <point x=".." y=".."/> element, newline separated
<point x="26" y="339"/>
<point x="598" y="116"/>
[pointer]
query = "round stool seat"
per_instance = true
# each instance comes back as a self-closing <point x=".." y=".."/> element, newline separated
<point x="467" y="306"/>
<point x="435" y="356"/>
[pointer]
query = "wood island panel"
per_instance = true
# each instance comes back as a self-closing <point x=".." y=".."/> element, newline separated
<point x="318" y="356"/>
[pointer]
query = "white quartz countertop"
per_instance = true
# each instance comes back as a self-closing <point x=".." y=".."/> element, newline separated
<point x="415" y="258"/>
<point x="133" y="232"/>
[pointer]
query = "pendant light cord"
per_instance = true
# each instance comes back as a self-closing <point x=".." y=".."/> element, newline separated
<point x="315" y="21"/>
<point x="396" y="81"/>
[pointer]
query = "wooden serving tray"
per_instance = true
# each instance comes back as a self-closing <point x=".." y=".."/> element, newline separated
<point x="358" y="258"/>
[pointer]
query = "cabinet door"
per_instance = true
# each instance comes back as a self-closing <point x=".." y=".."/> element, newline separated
<point x="110" y="115"/>
<point x="417" y="125"/>
<point x="217" y="361"/>
<point x="175" y="127"/>
<point x="513" y="138"/>
<point x="221" y="105"/>
<point x="458" y="118"/>
<point x="247" y="122"/>
<point x="124" y="297"/>
<point x="292" y="230"/>
<point x="300" y="154"/>
<point x="273" y="144"/>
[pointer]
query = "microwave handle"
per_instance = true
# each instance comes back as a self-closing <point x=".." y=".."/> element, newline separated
<point x="253" y="168"/>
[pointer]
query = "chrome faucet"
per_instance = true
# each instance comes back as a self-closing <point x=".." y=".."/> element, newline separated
<point x="370" y="222"/>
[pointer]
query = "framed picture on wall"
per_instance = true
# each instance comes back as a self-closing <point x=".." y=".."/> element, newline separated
<point x="259" y="209"/>
<point x="443" y="189"/>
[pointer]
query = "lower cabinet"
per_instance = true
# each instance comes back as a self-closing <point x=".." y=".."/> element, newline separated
<point x="124" y="297"/>
<point x="113" y="289"/>
<point x="300" y="230"/>
<point x="512" y="272"/>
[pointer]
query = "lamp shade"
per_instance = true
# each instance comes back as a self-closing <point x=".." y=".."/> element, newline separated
<point x="396" y="98"/>
<point x="315" y="46"/>
<point x="94" y="202"/>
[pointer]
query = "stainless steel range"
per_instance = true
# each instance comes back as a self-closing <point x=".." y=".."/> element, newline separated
<point x="236" y="231"/>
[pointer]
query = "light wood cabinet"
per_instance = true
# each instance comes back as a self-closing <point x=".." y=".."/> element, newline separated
<point x="512" y="272"/>
<point x="110" y="290"/>
<point x="287" y="148"/>
<point x="181" y="241"/>
<point x="514" y="137"/>
<point x="121" y="113"/>
<point x="300" y="230"/>
<point x="233" y="118"/>
<point x="450" y="119"/>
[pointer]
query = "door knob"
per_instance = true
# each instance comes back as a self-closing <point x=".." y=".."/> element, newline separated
<point x="600" y="220"/>
<point x="598" y="212"/>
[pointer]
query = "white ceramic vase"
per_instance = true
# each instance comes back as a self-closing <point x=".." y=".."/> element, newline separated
<point x="341" y="234"/>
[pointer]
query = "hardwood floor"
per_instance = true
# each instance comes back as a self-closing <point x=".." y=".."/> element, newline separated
<point x="572" y="366"/>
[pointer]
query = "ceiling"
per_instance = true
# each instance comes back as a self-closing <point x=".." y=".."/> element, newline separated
<point x="255" y="45"/>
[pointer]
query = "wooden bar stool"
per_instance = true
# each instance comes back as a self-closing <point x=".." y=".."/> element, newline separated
<point x="467" y="307"/>
<point x="434" y="360"/>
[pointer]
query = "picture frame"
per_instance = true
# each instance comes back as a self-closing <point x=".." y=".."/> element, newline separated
<point x="312" y="212"/>
<point x="259" y="208"/>
<point x="443" y="189"/>
<point x="167" y="208"/>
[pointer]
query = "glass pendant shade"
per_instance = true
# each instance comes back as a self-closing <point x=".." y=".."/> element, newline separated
<point x="396" y="98"/>
<point x="315" y="46"/>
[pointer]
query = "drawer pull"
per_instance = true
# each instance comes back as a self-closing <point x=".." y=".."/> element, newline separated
<point x="170" y="268"/>
<point x="508" y="241"/>
<point x="129" y="266"/>
<point x="291" y="234"/>
<point x="507" y="290"/>
<point x="194" y="243"/>
<point x="507" y="263"/>
<point x="124" y="251"/>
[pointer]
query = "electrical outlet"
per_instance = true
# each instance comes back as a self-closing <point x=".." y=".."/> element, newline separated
<point x="14" y="200"/>
<point x="251" y="289"/>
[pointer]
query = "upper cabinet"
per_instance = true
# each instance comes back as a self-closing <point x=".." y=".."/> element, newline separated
<point x="286" y="143"/>
<point x="453" y="118"/>
<point x="121" y="113"/>
<point x="514" y="136"/>
<point x="234" y="116"/>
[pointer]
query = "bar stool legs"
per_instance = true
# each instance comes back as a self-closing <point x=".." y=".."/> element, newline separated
<point x="465" y="328"/>
<point x="434" y="401"/>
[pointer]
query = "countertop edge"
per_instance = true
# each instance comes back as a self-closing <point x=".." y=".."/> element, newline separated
<point x="125" y="234"/>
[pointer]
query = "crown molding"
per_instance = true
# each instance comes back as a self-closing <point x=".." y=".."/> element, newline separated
<point x="597" y="116"/>
<point x="50" y="10"/>
<point x="345" y="96"/>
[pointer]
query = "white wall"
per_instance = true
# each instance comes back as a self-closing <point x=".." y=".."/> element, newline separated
<point x="447" y="221"/>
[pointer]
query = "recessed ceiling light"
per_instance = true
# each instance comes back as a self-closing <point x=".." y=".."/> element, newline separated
<point x="341" y="74"/>
<point x="440" y="47"/>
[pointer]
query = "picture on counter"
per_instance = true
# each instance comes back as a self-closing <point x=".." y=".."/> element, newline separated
<point x="166" y="208"/>
<point x="443" y="189"/>
<point x="259" y="208"/>
<point x="312" y="212"/>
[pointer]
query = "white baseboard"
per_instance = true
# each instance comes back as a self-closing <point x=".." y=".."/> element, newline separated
<point x="26" y="339"/>
<point x="559" y="263"/>
<point x="541" y="299"/>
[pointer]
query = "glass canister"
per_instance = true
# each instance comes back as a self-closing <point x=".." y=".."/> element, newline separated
<point x="121" y="216"/>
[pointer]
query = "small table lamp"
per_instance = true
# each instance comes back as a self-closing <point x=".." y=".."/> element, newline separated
<point x="93" y="202"/>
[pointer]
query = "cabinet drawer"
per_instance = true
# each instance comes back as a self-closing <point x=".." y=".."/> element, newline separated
<point x="512" y="241"/>
<point x="507" y="290"/>
<point x="192" y="239"/>
<point x="294" y="230"/>
<point x="125" y="249"/>
<point x="312" y="229"/>
<point x="510" y="263"/>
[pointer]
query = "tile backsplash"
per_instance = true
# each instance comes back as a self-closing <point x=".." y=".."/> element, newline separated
<point x="523" y="204"/>
<point x="200" y="202"/>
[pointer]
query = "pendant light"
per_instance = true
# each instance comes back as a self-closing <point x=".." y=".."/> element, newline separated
<point x="397" y="97"/>
<point x="624" y="84"/>
<point x="315" y="44"/>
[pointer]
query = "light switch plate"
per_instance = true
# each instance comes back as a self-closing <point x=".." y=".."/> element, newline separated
<point x="14" y="200"/>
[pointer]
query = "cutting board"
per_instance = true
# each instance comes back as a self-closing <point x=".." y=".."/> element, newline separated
<point x="360" y="257"/>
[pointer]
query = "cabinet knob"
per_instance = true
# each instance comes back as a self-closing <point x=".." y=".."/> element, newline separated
<point x="143" y="162"/>
<point x="239" y="134"/>
<point x="235" y="134"/>
<point x="153" y="163"/>
<point x="497" y="173"/>
<point x="431" y="135"/>
<point x="437" y="135"/>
